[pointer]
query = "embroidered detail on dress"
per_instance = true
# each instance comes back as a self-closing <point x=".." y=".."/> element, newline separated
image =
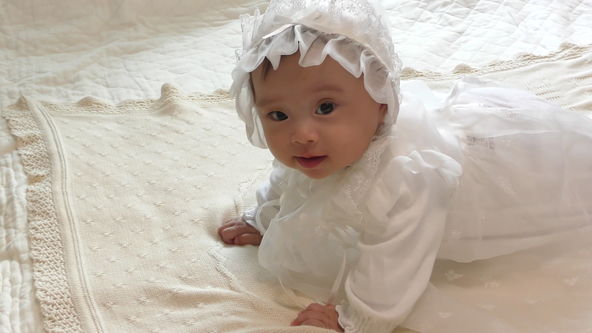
<point x="484" y="142"/>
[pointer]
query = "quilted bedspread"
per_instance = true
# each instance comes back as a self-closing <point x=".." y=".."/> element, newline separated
<point x="126" y="49"/>
<point x="134" y="242"/>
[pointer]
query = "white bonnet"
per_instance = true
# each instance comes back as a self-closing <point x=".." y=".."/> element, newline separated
<point x="352" y="32"/>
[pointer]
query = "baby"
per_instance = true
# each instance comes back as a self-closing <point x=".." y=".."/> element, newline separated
<point x="317" y="120"/>
<point x="358" y="208"/>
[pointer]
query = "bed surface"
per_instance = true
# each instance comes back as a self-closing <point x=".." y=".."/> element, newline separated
<point x="64" y="51"/>
<point x="118" y="50"/>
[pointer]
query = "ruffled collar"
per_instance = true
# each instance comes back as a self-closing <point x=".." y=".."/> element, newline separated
<point x="348" y="186"/>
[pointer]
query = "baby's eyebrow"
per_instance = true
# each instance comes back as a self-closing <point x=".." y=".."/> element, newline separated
<point x="265" y="101"/>
<point x="327" y="87"/>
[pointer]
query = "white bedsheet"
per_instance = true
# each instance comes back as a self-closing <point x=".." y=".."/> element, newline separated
<point x="117" y="50"/>
<point x="126" y="49"/>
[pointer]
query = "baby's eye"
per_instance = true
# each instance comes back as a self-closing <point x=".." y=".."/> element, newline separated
<point x="277" y="116"/>
<point x="325" y="108"/>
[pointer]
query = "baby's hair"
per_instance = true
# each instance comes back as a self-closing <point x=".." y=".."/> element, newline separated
<point x="265" y="67"/>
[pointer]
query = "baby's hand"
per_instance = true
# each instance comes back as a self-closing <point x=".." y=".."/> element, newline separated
<point x="318" y="315"/>
<point x="238" y="232"/>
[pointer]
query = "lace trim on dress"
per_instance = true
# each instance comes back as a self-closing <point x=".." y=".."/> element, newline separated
<point x="362" y="173"/>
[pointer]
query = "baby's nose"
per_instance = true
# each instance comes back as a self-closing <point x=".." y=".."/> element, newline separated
<point x="305" y="133"/>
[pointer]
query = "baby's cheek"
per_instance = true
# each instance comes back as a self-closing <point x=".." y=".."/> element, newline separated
<point x="272" y="135"/>
<point x="278" y="150"/>
<point x="355" y="150"/>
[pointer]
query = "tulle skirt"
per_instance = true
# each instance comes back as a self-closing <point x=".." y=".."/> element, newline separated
<point x="526" y="182"/>
<point x="527" y="171"/>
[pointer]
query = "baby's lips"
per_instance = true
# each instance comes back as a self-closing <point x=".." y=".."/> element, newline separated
<point x="310" y="162"/>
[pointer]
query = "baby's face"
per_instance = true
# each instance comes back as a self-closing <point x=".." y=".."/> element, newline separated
<point x="316" y="119"/>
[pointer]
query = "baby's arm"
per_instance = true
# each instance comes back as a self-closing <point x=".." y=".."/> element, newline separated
<point x="238" y="232"/>
<point x="399" y="244"/>
<point x="249" y="228"/>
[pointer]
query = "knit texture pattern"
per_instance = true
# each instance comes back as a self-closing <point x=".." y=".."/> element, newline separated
<point x="124" y="201"/>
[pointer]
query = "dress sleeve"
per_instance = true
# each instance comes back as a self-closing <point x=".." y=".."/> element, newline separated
<point x="268" y="196"/>
<point x="406" y="211"/>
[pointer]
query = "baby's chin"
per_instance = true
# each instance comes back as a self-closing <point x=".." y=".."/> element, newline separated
<point x="312" y="173"/>
<point x="316" y="174"/>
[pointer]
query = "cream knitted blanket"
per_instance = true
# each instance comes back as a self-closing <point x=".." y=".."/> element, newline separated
<point x="124" y="201"/>
<point x="124" y="204"/>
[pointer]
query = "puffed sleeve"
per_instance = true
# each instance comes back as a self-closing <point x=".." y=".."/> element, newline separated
<point x="267" y="200"/>
<point x="407" y="209"/>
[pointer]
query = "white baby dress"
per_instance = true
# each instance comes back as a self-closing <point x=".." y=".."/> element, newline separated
<point x="480" y="173"/>
<point x="485" y="172"/>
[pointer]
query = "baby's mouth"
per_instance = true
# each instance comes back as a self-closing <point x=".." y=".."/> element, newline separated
<point x="310" y="162"/>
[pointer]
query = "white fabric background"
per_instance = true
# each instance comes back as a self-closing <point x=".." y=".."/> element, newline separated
<point x="117" y="50"/>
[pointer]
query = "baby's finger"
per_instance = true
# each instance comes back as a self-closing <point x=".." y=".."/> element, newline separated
<point x="308" y="315"/>
<point x="221" y="233"/>
<point x="226" y="225"/>
<point x="331" y="311"/>
<point x="231" y="223"/>
<point x="221" y="229"/>
<point x="234" y="230"/>
<point x="314" y="322"/>
<point x="248" y="238"/>
<point x="228" y="234"/>
<point x="301" y="316"/>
